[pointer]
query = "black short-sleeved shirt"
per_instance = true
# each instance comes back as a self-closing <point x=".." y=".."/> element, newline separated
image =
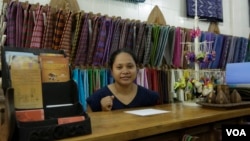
<point x="144" y="97"/>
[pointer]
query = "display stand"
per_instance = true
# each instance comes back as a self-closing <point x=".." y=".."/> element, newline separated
<point x="195" y="34"/>
<point x="196" y="40"/>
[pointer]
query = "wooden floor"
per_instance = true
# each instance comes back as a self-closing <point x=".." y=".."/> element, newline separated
<point x="3" y="117"/>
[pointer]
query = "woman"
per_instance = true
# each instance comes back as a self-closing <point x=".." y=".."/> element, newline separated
<point x="123" y="93"/>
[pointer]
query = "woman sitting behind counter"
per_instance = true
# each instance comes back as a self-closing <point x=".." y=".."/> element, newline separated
<point x="124" y="92"/>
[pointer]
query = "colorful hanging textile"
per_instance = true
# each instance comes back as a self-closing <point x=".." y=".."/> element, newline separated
<point x="65" y="42"/>
<point x="59" y="26"/>
<point x="19" y="24"/>
<point x="105" y="25"/>
<point x="78" y="18"/>
<point x="48" y="29"/>
<point x="37" y="35"/>
<point x="218" y="45"/>
<point x="210" y="10"/>
<point x="82" y="49"/>
<point x="11" y="24"/>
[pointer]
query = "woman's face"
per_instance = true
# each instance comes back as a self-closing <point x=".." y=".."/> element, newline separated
<point x="124" y="69"/>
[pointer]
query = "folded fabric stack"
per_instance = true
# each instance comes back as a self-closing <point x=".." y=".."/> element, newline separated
<point x="237" y="74"/>
<point x="237" y="77"/>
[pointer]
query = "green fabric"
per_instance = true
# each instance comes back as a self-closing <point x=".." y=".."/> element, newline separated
<point x="96" y="79"/>
<point x="90" y="76"/>
<point x="156" y="31"/>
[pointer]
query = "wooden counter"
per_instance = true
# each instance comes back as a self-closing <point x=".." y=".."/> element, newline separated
<point x="117" y="125"/>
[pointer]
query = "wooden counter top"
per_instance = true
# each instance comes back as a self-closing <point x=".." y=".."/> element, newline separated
<point x="117" y="125"/>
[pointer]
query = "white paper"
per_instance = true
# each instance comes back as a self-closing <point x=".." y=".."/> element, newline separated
<point x="59" y="105"/>
<point x="146" y="112"/>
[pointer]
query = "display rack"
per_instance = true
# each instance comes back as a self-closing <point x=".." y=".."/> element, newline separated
<point x="205" y="45"/>
<point x="196" y="50"/>
<point x="196" y="39"/>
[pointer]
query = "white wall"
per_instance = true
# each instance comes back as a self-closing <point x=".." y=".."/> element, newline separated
<point x="235" y="13"/>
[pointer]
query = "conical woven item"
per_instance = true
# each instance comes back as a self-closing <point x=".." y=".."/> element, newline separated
<point x="225" y="89"/>
<point x="235" y="97"/>
<point x="156" y="17"/>
<point x="70" y="4"/>
<point x="221" y="98"/>
<point x="211" y="97"/>
<point x="214" y="28"/>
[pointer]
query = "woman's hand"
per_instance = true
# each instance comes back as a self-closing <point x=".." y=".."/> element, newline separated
<point x="107" y="103"/>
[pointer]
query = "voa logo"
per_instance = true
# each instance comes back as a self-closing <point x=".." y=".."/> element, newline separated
<point x="236" y="132"/>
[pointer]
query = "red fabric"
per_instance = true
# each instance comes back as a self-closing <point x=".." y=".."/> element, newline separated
<point x="49" y="29"/>
<point x="36" y="40"/>
<point x="65" y="43"/>
<point x="60" y="23"/>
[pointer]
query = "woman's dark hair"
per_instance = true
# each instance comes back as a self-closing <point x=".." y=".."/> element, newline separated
<point x="116" y="52"/>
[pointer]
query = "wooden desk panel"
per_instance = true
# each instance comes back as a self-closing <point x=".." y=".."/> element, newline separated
<point x="3" y="116"/>
<point x="117" y="125"/>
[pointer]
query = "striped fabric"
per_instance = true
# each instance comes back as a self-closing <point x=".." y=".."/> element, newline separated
<point x="130" y="35"/>
<point x="3" y="24"/>
<point x="237" y="51"/>
<point x="90" y="76"/>
<point x="160" y="90"/>
<point x="101" y="41"/>
<point x="58" y="31"/>
<point x="138" y="41"/>
<point x="177" y="48"/>
<point x="108" y="42"/>
<point x="149" y="77"/>
<point x="11" y="24"/>
<point x="218" y="45"/>
<point x="96" y="80"/>
<point x="49" y="29"/>
<point x="226" y="45"/>
<point x="147" y="44"/>
<point x="155" y="83"/>
<point x="159" y="46"/>
<point x="37" y="35"/>
<point x="29" y="28"/>
<point x="65" y="43"/>
<point x="91" y="50"/>
<point x="116" y="35"/>
<point x="93" y="44"/>
<point x="90" y="25"/>
<point x="19" y="24"/>
<point x="124" y="32"/>
<point x="155" y="35"/>
<point x="232" y="50"/>
<point x="243" y="49"/>
<point x="142" y="49"/>
<point x="168" y="54"/>
<point x="247" y="57"/>
<point x="83" y="44"/>
<point x="25" y="24"/>
<point x="135" y="32"/>
<point x="162" y="45"/>
<point x="76" y="36"/>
